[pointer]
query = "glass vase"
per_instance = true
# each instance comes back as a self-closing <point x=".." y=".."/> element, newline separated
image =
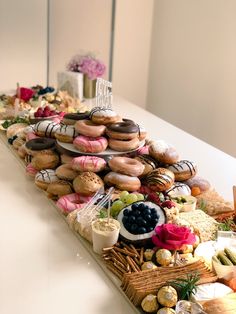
<point x="89" y="87"/>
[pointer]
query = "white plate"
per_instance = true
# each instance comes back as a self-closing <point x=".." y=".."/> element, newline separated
<point x="70" y="147"/>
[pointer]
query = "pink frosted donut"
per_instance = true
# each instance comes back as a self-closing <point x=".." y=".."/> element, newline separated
<point x="88" y="163"/>
<point x="70" y="202"/>
<point x="143" y="150"/>
<point x="88" y="128"/>
<point x="87" y="144"/>
<point x="31" y="135"/>
<point x="30" y="170"/>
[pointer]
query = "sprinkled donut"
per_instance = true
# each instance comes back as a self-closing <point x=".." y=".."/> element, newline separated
<point x="71" y="202"/>
<point x="87" y="144"/>
<point x="105" y="116"/>
<point x="66" y="133"/>
<point x="122" y="181"/>
<point x="160" y="179"/>
<point x="88" y="163"/>
<point x="88" y="128"/>
<point x="183" y="170"/>
<point x="46" y="128"/>
<point x="125" y="165"/>
<point x="44" y="177"/>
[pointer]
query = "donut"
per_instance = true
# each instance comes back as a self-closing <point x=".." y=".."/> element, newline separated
<point x="88" y="128"/>
<point x="28" y="158"/>
<point x="71" y="202"/>
<point x="15" y="129"/>
<point x="198" y="185"/>
<point x="148" y="162"/>
<point x="123" y="146"/>
<point x="87" y="183"/>
<point x="160" y="179"/>
<point x="87" y="144"/>
<point x="46" y="128"/>
<point x="126" y="130"/>
<point x="30" y="170"/>
<point x="18" y="142"/>
<point x="125" y="165"/>
<point x="59" y="188"/>
<point x="143" y="150"/>
<point x="31" y="136"/>
<point x="88" y="163"/>
<point x="105" y="116"/>
<point x="22" y="151"/>
<point x="66" y="159"/>
<point x="65" y="172"/>
<point x="65" y="133"/>
<point x="45" y="160"/>
<point x="36" y="145"/>
<point x="44" y="177"/>
<point x="163" y="152"/>
<point x="142" y="133"/>
<point x="122" y="181"/>
<point x="183" y="170"/>
<point x="71" y="118"/>
<point x="178" y="188"/>
<point x="28" y="129"/>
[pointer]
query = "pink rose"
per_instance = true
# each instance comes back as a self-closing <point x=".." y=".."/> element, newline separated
<point x="26" y="93"/>
<point x="172" y="237"/>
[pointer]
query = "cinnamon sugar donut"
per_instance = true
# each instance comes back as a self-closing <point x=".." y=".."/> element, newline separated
<point x="87" y="183"/>
<point x="160" y="179"/>
<point x="122" y="182"/>
<point x="123" y="146"/>
<point x="163" y="152"/>
<point x="87" y="144"/>
<point x="45" y="160"/>
<point x="88" y="163"/>
<point x="125" y="165"/>
<point x="88" y="128"/>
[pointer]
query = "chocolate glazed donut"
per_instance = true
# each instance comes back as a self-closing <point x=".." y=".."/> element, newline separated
<point x="71" y="118"/>
<point x="126" y="130"/>
<point x="40" y="143"/>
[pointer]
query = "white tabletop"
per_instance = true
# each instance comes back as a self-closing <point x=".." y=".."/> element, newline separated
<point x="44" y="269"/>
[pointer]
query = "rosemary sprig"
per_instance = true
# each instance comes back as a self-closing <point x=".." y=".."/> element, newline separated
<point x="186" y="286"/>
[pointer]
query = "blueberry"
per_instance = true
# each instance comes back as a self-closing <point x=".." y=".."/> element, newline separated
<point x="127" y="226"/>
<point x="153" y="210"/>
<point x="135" y="206"/>
<point x="134" y="228"/>
<point x="126" y="212"/>
<point x="147" y="211"/>
<point x="142" y="230"/>
<point x="154" y="215"/>
<point x="147" y="217"/>
<point x="132" y="219"/>
<point x="140" y="221"/>
<point x="149" y="228"/>
<point x="136" y="213"/>
<point x="125" y="219"/>
<point x="155" y="221"/>
<point x="141" y="206"/>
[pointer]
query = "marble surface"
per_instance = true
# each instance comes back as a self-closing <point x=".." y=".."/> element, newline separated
<point x="43" y="267"/>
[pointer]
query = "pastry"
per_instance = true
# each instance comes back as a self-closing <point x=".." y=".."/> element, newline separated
<point x="126" y="130"/>
<point x="87" y="144"/>
<point x="87" y="183"/>
<point x="44" y="177"/>
<point x="105" y="116"/>
<point x="65" y="133"/>
<point x="88" y="128"/>
<point x="160" y="179"/>
<point x="183" y="170"/>
<point x="125" y="165"/>
<point x="163" y="152"/>
<point x="65" y="172"/>
<point x="88" y="163"/>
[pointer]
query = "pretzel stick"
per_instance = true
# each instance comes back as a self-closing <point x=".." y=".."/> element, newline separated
<point x="122" y="270"/>
<point x="134" y="249"/>
<point x="126" y="252"/>
<point x="119" y="258"/>
<point x="132" y="264"/>
<point x="118" y="263"/>
<point x="114" y="271"/>
<point x="141" y="256"/>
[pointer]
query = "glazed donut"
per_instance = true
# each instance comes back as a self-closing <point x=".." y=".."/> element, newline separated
<point x="198" y="185"/>
<point x="18" y="142"/>
<point x="87" y="183"/>
<point x="125" y="165"/>
<point x="15" y="129"/>
<point x="30" y="170"/>
<point x="36" y="145"/>
<point x="71" y="202"/>
<point x="87" y="144"/>
<point x="65" y="172"/>
<point x="88" y="128"/>
<point x="45" y="160"/>
<point x="163" y="152"/>
<point x="44" y="177"/>
<point x="22" y="151"/>
<point x="66" y="159"/>
<point x="178" y="188"/>
<point x="46" y="128"/>
<point x="125" y="130"/>
<point x="148" y="162"/>
<point x="183" y="170"/>
<point x="160" y="179"/>
<point x="88" y="163"/>
<point x="105" y="116"/>
<point x="123" y="146"/>
<point x="142" y="134"/>
<point x="71" y="118"/>
<point x="122" y="182"/>
<point x="59" y="188"/>
<point x="65" y="133"/>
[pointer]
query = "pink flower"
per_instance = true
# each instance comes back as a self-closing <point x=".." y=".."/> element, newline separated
<point x="172" y="237"/>
<point x="26" y="93"/>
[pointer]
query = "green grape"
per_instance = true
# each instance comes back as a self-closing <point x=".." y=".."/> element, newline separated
<point x="123" y="195"/>
<point x="131" y="198"/>
<point x="140" y="197"/>
<point x="116" y="207"/>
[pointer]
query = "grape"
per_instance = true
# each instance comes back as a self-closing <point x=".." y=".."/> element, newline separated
<point x="123" y="195"/>
<point x="140" y="197"/>
<point x="116" y="207"/>
<point x="131" y="198"/>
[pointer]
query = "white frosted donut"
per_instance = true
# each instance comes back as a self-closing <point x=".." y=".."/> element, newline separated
<point x="44" y="177"/>
<point x="88" y="128"/>
<point x="105" y="116"/>
<point x="122" y="182"/>
<point x="66" y="133"/>
<point x="125" y="165"/>
<point x="88" y="163"/>
<point x="87" y="144"/>
<point x="71" y="202"/>
<point x="46" y="128"/>
<point x="178" y="188"/>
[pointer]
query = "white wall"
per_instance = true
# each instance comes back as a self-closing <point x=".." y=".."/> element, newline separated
<point x="133" y="24"/>
<point x="192" y="81"/>
<point x="23" y="42"/>
<point x="78" y="26"/>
